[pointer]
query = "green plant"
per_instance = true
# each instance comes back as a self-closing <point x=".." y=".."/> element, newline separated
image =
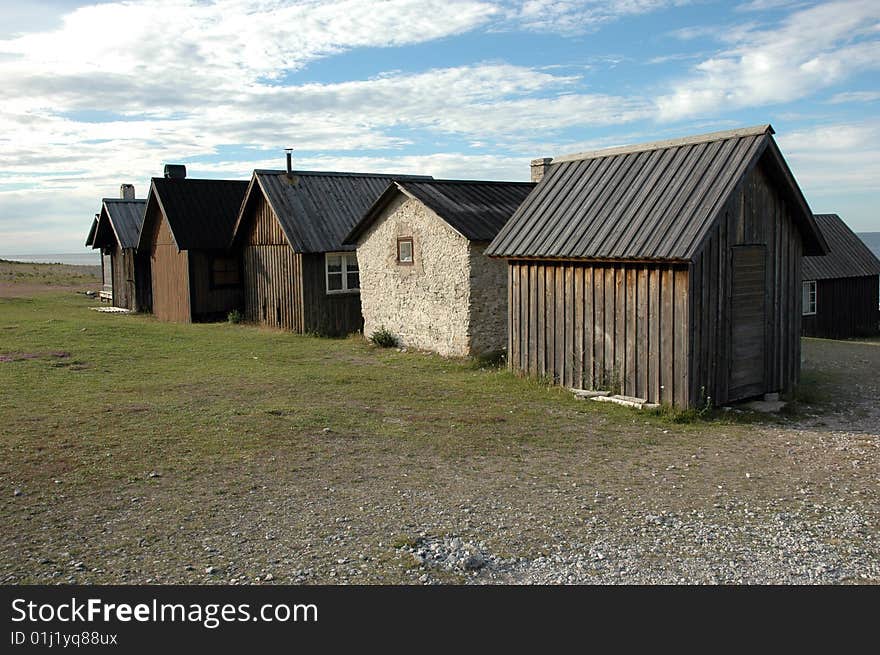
<point x="235" y="317"/>
<point x="383" y="338"/>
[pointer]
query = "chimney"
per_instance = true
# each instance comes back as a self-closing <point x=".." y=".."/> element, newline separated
<point x="289" y="153"/>
<point x="540" y="168"/>
<point x="175" y="171"/>
<point x="126" y="191"/>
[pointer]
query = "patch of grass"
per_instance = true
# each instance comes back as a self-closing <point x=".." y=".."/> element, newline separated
<point x="235" y="317"/>
<point x="494" y="359"/>
<point x="55" y="275"/>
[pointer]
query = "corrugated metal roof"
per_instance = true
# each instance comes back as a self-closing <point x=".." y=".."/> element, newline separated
<point x="848" y="255"/>
<point x="126" y="217"/>
<point x="201" y="213"/>
<point x="475" y="209"/>
<point x="317" y="209"/>
<point x="649" y="201"/>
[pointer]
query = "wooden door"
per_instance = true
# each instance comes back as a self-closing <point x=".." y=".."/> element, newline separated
<point x="748" y="318"/>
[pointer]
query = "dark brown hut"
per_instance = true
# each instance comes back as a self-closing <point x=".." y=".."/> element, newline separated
<point x="667" y="271"/>
<point x="187" y="228"/>
<point x="840" y="289"/>
<point x="115" y="231"/>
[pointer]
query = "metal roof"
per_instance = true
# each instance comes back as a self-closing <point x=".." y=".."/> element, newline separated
<point x="201" y="213"/>
<point x="474" y="209"/>
<point x="649" y="201"/>
<point x="125" y="217"/>
<point x="848" y="256"/>
<point x="317" y="209"/>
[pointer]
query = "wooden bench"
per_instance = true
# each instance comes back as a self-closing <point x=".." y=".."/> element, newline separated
<point x="105" y="296"/>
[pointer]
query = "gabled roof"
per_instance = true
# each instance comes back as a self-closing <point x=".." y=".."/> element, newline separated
<point x="90" y="240"/>
<point x="474" y="209"/>
<point x="848" y="256"/>
<point x="120" y="220"/>
<point x="317" y="209"/>
<point x="201" y="213"/>
<point x="650" y="201"/>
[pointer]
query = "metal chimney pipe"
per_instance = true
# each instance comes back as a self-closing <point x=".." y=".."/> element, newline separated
<point x="289" y="152"/>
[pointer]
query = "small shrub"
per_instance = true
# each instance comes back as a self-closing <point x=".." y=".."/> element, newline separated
<point x="383" y="338"/>
<point x="235" y="317"/>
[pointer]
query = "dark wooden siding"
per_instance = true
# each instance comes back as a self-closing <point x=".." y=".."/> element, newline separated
<point x="755" y="215"/>
<point x="143" y="284"/>
<point x="845" y="308"/>
<point x="334" y="314"/>
<point x="271" y="270"/>
<point x="286" y="289"/>
<point x="170" y="276"/>
<point x="210" y="302"/>
<point x="602" y="326"/>
<point x="123" y="277"/>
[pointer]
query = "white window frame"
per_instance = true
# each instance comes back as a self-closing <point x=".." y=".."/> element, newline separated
<point x="810" y="298"/>
<point x="345" y="257"/>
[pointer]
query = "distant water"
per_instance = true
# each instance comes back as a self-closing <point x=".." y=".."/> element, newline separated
<point x="76" y="258"/>
<point x="872" y="240"/>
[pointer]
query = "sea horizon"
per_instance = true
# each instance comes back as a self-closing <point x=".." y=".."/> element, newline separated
<point x="70" y="258"/>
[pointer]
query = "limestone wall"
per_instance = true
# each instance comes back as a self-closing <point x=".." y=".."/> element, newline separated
<point x="487" y="304"/>
<point x="425" y="304"/>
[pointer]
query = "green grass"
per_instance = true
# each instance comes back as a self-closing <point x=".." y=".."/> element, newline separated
<point x="129" y="385"/>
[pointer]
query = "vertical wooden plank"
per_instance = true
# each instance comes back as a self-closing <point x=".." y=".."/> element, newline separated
<point x="682" y="323"/>
<point x="533" y="317"/>
<point x="578" y="332"/>
<point x="559" y="345"/>
<point x="541" y="303"/>
<point x="589" y="329"/>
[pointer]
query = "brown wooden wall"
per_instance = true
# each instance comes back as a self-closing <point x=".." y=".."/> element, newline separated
<point x="333" y="314"/>
<point x="612" y="326"/>
<point x="271" y="272"/>
<point x="143" y="284"/>
<point x="845" y="308"/>
<point x="755" y="215"/>
<point x="210" y="302"/>
<point x="169" y="269"/>
<point x="286" y="289"/>
<point x="123" y="277"/>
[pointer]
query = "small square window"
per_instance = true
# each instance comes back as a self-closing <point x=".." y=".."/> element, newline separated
<point x="405" y="250"/>
<point x="225" y="272"/>
<point x="808" y="298"/>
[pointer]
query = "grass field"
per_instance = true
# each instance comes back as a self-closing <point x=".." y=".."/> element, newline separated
<point x="133" y="450"/>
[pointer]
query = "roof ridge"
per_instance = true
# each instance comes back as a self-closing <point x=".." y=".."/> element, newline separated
<point x="660" y="145"/>
<point x="123" y="199"/>
<point x="400" y="176"/>
<point x="452" y="181"/>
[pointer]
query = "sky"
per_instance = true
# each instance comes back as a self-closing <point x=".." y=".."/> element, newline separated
<point x="103" y="93"/>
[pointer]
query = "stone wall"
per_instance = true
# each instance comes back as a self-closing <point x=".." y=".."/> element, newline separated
<point x="425" y="304"/>
<point x="488" y="301"/>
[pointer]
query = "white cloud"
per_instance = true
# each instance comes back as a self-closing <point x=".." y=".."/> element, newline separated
<point x="578" y="16"/>
<point x="854" y="96"/>
<point x="812" y="49"/>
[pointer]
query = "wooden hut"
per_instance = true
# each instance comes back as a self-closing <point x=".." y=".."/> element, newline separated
<point x="840" y="289"/>
<point x="667" y="271"/>
<point x="423" y="272"/>
<point x="297" y="273"/>
<point x="187" y="227"/>
<point x="115" y="231"/>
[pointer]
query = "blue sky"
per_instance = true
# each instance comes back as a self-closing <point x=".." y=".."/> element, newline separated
<point x="97" y="94"/>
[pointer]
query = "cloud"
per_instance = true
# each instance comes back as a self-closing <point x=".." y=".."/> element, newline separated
<point x="811" y="49"/>
<point x="571" y="17"/>
<point x="854" y="96"/>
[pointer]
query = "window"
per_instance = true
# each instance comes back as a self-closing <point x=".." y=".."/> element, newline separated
<point x="809" y="298"/>
<point x="343" y="275"/>
<point x="224" y="272"/>
<point x="405" y="250"/>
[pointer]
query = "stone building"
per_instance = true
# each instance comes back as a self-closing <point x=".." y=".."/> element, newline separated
<point x="423" y="273"/>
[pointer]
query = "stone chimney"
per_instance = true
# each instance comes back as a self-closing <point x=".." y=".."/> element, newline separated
<point x="540" y="168"/>
<point x="126" y="191"/>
